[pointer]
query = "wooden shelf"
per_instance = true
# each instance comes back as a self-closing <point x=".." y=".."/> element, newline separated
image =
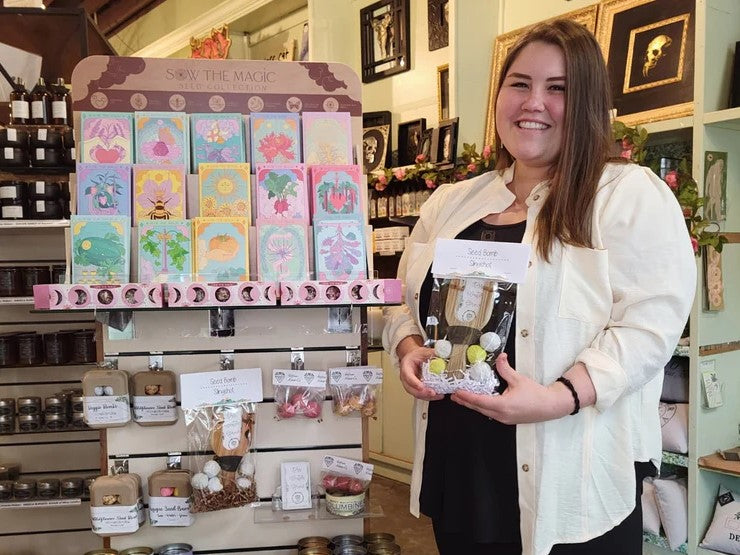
<point x="719" y="348"/>
<point x="729" y="119"/>
<point x="715" y="463"/>
<point x="669" y="125"/>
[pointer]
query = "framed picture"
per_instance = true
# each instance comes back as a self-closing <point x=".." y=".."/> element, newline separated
<point x="715" y="185"/>
<point x="585" y="16"/>
<point x="425" y="144"/>
<point x="648" y="46"/>
<point x="438" y="23"/>
<point x="409" y="139"/>
<point x="443" y="92"/>
<point x="445" y="148"/>
<point x="374" y="147"/>
<point x="376" y="119"/>
<point x="385" y="35"/>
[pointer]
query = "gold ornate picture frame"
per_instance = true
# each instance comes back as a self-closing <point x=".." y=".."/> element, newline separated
<point x="585" y="16"/>
<point x="443" y="92"/>
<point x="648" y="46"/>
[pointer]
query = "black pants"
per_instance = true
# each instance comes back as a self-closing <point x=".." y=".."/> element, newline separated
<point x="623" y="539"/>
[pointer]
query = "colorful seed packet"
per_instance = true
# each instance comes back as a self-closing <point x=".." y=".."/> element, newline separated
<point x="282" y="251"/>
<point x="165" y="251"/>
<point x="221" y="249"/>
<point x="106" y="138"/>
<point x="217" y="138"/>
<point x="336" y="191"/>
<point x="339" y="247"/>
<point x="275" y="138"/>
<point x="282" y="192"/>
<point x="159" y="192"/>
<point x="104" y="189"/>
<point x="101" y="249"/>
<point x="327" y="138"/>
<point x="162" y="138"/>
<point x="224" y="190"/>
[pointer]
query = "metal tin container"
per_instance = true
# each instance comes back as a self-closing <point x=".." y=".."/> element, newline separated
<point x="317" y="550"/>
<point x="137" y="551"/>
<point x="55" y="405"/>
<point x="175" y="549"/>
<point x="29" y="422"/>
<point x="383" y="548"/>
<point x="6" y="490"/>
<point x="350" y="549"/>
<point x="55" y="422"/>
<point x="86" y="483"/>
<point x="102" y="552"/>
<point x="10" y="281"/>
<point x="72" y="487"/>
<point x="346" y="539"/>
<point x="78" y="401"/>
<point x="29" y="405"/>
<point x="24" y="488"/>
<point x="7" y="406"/>
<point x="7" y="424"/>
<point x="47" y="487"/>
<point x="313" y="541"/>
<point x="374" y="537"/>
<point x="78" y="420"/>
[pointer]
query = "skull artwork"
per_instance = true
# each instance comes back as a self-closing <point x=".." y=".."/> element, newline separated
<point x="370" y="148"/>
<point x="654" y="52"/>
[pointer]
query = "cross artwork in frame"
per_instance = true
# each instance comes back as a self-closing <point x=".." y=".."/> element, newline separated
<point x="374" y="147"/>
<point x="438" y="23"/>
<point x="425" y="144"/>
<point x="446" y="146"/>
<point x="409" y="139"/>
<point x="385" y="46"/>
<point x="648" y="46"/>
<point x="585" y="16"/>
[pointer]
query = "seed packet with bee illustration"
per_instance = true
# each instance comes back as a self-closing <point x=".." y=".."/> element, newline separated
<point x="221" y="249"/>
<point x="282" y="192"/>
<point x="101" y="249"/>
<point x="336" y="191"/>
<point x="165" y="251"/>
<point x="224" y="190"/>
<point x="159" y="192"/>
<point x="217" y="138"/>
<point x="162" y="138"/>
<point x="104" y="189"/>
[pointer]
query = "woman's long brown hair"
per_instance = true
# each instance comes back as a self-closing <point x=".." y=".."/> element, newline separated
<point x="566" y="215"/>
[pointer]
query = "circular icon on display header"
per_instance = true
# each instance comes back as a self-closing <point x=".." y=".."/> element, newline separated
<point x="177" y="102"/>
<point x="138" y="101"/>
<point x="217" y="103"/>
<point x="99" y="100"/>
<point x="331" y="104"/>
<point x="255" y="104"/>
<point x="294" y="104"/>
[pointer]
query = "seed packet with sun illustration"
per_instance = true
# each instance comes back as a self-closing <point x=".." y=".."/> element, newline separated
<point x="221" y="249"/>
<point x="224" y="190"/>
<point x="101" y="249"/>
<point x="282" y="192"/>
<point x="336" y="191"/>
<point x="165" y="251"/>
<point x="282" y="251"/>
<point x="159" y="192"/>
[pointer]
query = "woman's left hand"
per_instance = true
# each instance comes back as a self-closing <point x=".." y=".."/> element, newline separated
<point x="523" y="401"/>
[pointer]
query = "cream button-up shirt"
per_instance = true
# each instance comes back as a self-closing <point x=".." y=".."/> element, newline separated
<point x="619" y="308"/>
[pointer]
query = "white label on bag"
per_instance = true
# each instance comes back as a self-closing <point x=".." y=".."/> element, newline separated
<point x="155" y="408"/>
<point x="106" y="409"/>
<point x="40" y="187"/>
<point x="347" y="467"/>
<point x="19" y="108"/>
<point x="470" y="301"/>
<point x="42" y="134"/>
<point x="115" y="519"/>
<point x="37" y="109"/>
<point x="12" y="211"/>
<point x="356" y="375"/>
<point x="482" y="259"/>
<point x="7" y="192"/>
<point x="170" y="511"/>
<point x="315" y="379"/>
<point x="12" y="135"/>
<point x="40" y="206"/>
<point x="59" y="109"/>
<point x="40" y="154"/>
<point x="8" y="152"/>
<point x="231" y="429"/>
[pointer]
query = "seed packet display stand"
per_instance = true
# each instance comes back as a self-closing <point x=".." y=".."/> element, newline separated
<point x="263" y="338"/>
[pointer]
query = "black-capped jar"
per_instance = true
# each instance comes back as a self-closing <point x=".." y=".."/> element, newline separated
<point x="55" y="405"/>
<point x="34" y="275"/>
<point x="47" y="488"/>
<point x="13" y="209"/>
<point x="7" y="406"/>
<point x="56" y="422"/>
<point x="29" y="405"/>
<point x="44" y="190"/>
<point x="7" y="424"/>
<point x="8" y="349"/>
<point x="83" y="346"/>
<point x="11" y="281"/>
<point x="57" y="347"/>
<point x="6" y="490"/>
<point x="30" y="349"/>
<point x="58" y="274"/>
<point x="29" y="422"/>
<point x="14" y="190"/>
<point x="45" y="209"/>
<point x="72" y="487"/>
<point x="24" y="488"/>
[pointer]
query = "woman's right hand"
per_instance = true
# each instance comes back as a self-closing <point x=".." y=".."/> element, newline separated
<point x="410" y="363"/>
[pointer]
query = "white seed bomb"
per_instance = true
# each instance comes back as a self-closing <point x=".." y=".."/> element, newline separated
<point x="212" y="468"/>
<point x="247" y="468"/>
<point x="490" y="341"/>
<point x="108" y="390"/>
<point x="480" y="372"/>
<point x="215" y="485"/>
<point x="443" y="348"/>
<point x="99" y="390"/>
<point x="199" y="481"/>
<point x="243" y="483"/>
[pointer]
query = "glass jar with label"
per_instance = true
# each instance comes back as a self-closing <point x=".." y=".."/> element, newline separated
<point x="40" y="103"/>
<point x="7" y="424"/>
<point x="6" y="490"/>
<point x="24" y="488"/>
<point x="20" y="111"/>
<point x="59" y="94"/>
<point x="7" y="406"/>
<point x="71" y="487"/>
<point x="29" y="405"/>
<point x="29" y="422"/>
<point x="47" y="487"/>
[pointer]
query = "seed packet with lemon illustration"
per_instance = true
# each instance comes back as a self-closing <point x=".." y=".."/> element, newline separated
<point x="224" y="190"/>
<point x="221" y="249"/>
<point x="101" y="249"/>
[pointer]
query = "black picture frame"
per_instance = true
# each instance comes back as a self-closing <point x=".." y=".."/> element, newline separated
<point x="409" y="139"/>
<point x="445" y="145"/>
<point x="385" y="39"/>
<point x="375" y="147"/>
<point x="375" y="119"/>
<point x="426" y="144"/>
<point x="735" y="87"/>
<point x="438" y="23"/>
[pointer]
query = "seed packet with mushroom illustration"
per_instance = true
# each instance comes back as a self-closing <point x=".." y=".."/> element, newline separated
<point x="224" y="190"/>
<point x="275" y="138"/>
<point x="339" y="250"/>
<point x="104" y="189"/>
<point x="336" y="191"/>
<point x="282" y="251"/>
<point x="165" y="251"/>
<point x="107" y="138"/>
<point x="159" y="192"/>
<point x="101" y="247"/>
<point x="327" y="138"/>
<point x="221" y="249"/>
<point x="282" y="192"/>
<point x="162" y="138"/>
<point x="217" y="138"/>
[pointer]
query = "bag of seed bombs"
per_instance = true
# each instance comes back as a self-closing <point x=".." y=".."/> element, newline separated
<point x="467" y="325"/>
<point x="299" y="393"/>
<point x="340" y="476"/>
<point x="221" y="440"/>
<point x="355" y="390"/>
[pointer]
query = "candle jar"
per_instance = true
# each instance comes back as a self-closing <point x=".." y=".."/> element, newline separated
<point x="78" y="402"/>
<point x="24" y="488"/>
<point x="7" y="424"/>
<point x="10" y="282"/>
<point x="57" y="347"/>
<point x="78" y="420"/>
<point x="30" y="349"/>
<point x="47" y="487"/>
<point x="29" y="405"/>
<point x="83" y="346"/>
<point x="34" y="275"/>
<point x="8" y="349"/>
<point x="56" y="422"/>
<point x="71" y="487"/>
<point x="55" y="405"/>
<point x="7" y="406"/>
<point x="29" y="422"/>
<point x="176" y="549"/>
<point x="58" y="273"/>
<point x="6" y="490"/>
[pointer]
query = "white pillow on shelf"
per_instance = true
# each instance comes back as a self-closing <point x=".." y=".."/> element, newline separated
<point x="674" y="426"/>
<point x="724" y="531"/>
<point x="673" y="506"/>
<point x="650" y="515"/>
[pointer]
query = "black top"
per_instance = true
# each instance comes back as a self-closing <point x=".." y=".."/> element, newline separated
<point x="469" y="481"/>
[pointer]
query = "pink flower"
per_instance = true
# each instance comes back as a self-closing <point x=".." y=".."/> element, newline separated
<point x="420" y="158"/>
<point x="471" y="167"/>
<point x="695" y="244"/>
<point x="627" y="154"/>
<point x="672" y="179"/>
<point x="383" y="180"/>
<point x="626" y="143"/>
<point x="487" y="151"/>
<point x="429" y="184"/>
<point x="400" y="173"/>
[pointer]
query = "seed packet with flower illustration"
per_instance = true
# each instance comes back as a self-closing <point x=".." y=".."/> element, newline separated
<point x="327" y="138"/>
<point x="221" y="249"/>
<point x="101" y="249"/>
<point x="275" y="138"/>
<point x="336" y="191"/>
<point x="162" y="138"/>
<point x="282" y="251"/>
<point x="339" y="250"/>
<point x="104" y="189"/>
<point x="282" y="192"/>
<point x="107" y="138"/>
<point x="159" y="192"/>
<point x="217" y="138"/>
<point x="165" y="250"/>
<point x="224" y="190"/>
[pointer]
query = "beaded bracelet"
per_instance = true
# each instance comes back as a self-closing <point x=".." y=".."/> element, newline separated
<point x="567" y="383"/>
